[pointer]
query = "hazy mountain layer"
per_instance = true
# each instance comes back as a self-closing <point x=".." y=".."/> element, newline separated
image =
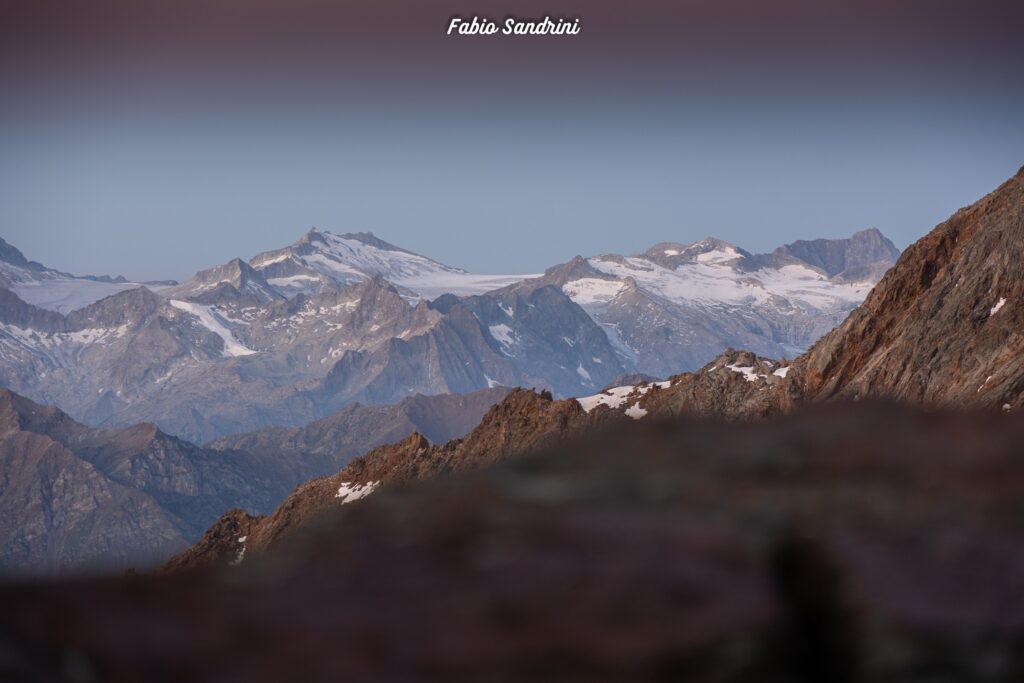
<point x="208" y="366"/>
<point x="75" y="497"/>
<point x="241" y="346"/>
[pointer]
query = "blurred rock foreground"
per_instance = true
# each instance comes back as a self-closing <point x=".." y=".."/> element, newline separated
<point x="851" y="542"/>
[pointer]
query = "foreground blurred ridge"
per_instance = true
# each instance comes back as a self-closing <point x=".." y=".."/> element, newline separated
<point x="852" y="542"/>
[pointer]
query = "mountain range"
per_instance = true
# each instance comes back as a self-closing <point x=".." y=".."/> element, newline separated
<point x="294" y="334"/>
<point x="752" y="520"/>
<point x="941" y="330"/>
<point x="938" y="330"/>
<point x="295" y="362"/>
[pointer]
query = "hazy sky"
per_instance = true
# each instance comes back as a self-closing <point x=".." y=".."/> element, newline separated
<point x="154" y="141"/>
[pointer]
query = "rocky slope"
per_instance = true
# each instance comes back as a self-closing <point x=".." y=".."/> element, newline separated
<point x="864" y="257"/>
<point x="234" y="282"/>
<point x="944" y="326"/>
<point x="75" y="498"/>
<point x="853" y="543"/>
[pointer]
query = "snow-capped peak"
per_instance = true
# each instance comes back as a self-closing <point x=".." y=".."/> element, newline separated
<point x="322" y="260"/>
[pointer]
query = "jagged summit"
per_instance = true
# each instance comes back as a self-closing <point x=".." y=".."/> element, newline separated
<point x="941" y="329"/>
<point x="301" y="331"/>
<point x="707" y="250"/>
<point x="369" y="239"/>
<point x="230" y="281"/>
<point x="315" y="234"/>
<point x="863" y="257"/>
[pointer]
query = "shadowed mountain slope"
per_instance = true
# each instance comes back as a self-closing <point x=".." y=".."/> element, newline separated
<point x="74" y="497"/>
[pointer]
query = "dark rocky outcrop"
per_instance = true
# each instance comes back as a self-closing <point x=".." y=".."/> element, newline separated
<point x="78" y="498"/>
<point x="26" y="316"/>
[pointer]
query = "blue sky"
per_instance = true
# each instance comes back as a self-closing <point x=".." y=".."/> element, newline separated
<point x="157" y="177"/>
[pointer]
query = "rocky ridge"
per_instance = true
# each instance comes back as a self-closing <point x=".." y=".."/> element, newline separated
<point x="891" y="337"/>
<point x="737" y="386"/>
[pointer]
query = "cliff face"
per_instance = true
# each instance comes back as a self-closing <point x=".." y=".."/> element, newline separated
<point x="865" y="256"/>
<point x="944" y="326"/>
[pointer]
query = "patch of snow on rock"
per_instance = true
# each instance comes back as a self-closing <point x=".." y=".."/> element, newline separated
<point x="206" y="317"/>
<point x="613" y="398"/>
<point x="349" y="492"/>
<point x="592" y="290"/>
<point x="746" y="370"/>
<point x="635" y="411"/>
<point x="718" y="255"/>
<point x="502" y="334"/>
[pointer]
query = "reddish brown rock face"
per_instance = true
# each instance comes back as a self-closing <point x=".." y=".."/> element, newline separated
<point x="943" y="327"/>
